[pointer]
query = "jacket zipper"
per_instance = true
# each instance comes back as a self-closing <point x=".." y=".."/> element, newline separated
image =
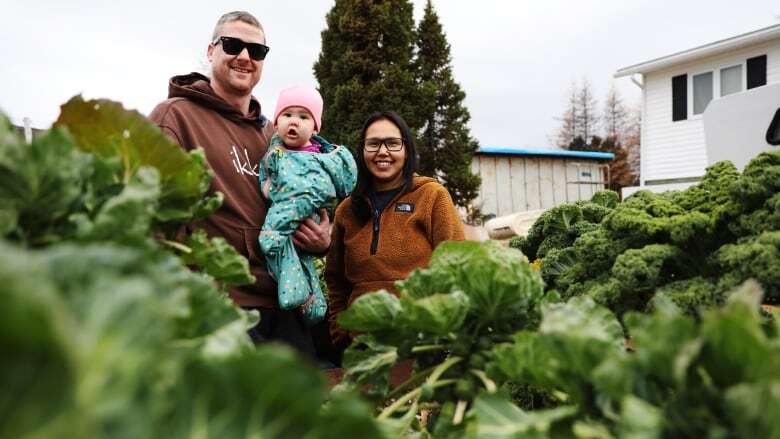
<point x="375" y="232"/>
<point x="377" y="218"/>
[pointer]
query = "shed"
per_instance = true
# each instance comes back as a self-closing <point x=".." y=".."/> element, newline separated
<point x="524" y="179"/>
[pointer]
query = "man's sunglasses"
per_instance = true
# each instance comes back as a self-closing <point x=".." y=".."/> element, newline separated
<point x="234" y="46"/>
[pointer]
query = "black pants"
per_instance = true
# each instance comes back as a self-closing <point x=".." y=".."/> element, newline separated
<point x="287" y="327"/>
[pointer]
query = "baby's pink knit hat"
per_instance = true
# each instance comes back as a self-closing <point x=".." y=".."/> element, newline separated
<point x="300" y="96"/>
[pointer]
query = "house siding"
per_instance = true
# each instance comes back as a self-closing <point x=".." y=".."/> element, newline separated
<point x="672" y="150"/>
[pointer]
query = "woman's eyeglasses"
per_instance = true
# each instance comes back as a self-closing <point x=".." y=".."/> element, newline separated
<point x="393" y="144"/>
<point x="234" y="46"/>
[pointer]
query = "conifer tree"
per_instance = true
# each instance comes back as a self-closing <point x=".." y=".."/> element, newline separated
<point x="366" y="65"/>
<point x="445" y="144"/>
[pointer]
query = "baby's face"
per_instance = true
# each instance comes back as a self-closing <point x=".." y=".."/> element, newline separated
<point x="295" y="125"/>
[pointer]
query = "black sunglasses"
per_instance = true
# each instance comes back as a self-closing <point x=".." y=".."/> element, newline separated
<point x="234" y="46"/>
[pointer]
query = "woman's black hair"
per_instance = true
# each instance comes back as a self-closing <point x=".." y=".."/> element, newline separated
<point x="364" y="186"/>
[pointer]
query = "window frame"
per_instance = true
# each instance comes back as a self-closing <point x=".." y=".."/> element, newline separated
<point x="715" y="80"/>
<point x="716" y="72"/>
<point x="742" y="78"/>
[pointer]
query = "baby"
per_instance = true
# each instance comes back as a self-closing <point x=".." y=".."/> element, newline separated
<point x="301" y="173"/>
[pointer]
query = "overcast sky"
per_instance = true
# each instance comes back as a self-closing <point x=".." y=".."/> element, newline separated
<point x="515" y="59"/>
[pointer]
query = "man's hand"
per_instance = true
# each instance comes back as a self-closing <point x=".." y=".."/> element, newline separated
<point x="312" y="237"/>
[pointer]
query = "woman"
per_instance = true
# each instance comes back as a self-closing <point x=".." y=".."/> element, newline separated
<point x="391" y="223"/>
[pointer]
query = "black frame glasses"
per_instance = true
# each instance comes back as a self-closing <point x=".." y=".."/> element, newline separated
<point x="234" y="46"/>
<point x="374" y="145"/>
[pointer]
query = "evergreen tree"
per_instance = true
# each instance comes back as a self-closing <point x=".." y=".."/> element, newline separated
<point x="366" y="65"/>
<point x="445" y="145"/>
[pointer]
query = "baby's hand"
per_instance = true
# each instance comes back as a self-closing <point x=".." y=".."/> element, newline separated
<point x="304" y="309"/>
<point x="266" y="189"/>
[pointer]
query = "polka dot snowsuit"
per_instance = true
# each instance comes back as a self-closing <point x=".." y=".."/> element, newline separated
<point x="301" y="184"/>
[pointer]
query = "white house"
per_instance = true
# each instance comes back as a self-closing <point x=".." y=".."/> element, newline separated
<point x="676" y="90"/>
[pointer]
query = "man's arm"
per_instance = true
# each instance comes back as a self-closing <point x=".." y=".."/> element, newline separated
<point x="311" y="237"/>
<point x="160" y="117"/>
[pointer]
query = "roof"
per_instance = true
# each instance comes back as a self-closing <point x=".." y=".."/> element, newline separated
<point x="499" y="150"/>
<point x="728" y="44"/>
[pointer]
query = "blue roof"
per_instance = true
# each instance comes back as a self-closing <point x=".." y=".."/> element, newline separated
<point x="546" y="152"/>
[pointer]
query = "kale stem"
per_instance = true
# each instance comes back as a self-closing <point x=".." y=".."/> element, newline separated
<point x="460" y="411"/>
<point x="427" y="348"/>
<point x="177" y="245"/>
<point x="432" y="381"/>
<point x="490" y="386"/>
<point x="411" y="380"/>
<point x="415" y="393"/>
<point x="441" y="368"/>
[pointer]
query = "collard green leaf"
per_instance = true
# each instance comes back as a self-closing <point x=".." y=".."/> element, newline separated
<point x="347" y="417"/>
<point x="736" y="349"/>
<point x="40" y="185"/>
<point x="267" y="392"/>
<point x="666" y="347"/>
<point x="528" y="359"/>
<point x="495" y="417"/>
<point x="640" y="420"/>
<point x="39" y="367"/>
<point x="574" y="338"/>
<point x="368" y="361"/>
<point x="372" y="312"/>
<point x="218" y="258"/>
<point x="582" y="318"/>
<point x="754" y="408"/>
<point x="427" y="282"/>
<point x="438" y="314"/>
<point x="206" y="310"/>
<point x="92" y="341"/>
<point x="127" y="216"/>
<point x="107" y="130"/>
<point x="499" y="282"/>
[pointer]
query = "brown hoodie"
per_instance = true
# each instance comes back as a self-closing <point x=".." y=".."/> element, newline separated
<point x="193" y="115"/>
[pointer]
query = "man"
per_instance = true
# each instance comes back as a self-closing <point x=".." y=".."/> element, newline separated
<point x="220" y="115"/>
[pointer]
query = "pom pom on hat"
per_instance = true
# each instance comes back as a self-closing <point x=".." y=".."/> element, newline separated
<point x="301" y="96"/>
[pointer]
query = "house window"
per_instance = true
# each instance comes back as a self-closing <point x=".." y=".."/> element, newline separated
<point x="679" y="98"/>
<point x="701" y="88"/>
<point x="756" y="71"/>
<point x="702" y="91"/>
<point x="730" y="80"/>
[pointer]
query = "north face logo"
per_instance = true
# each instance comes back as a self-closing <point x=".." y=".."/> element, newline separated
<point x="404" y="207"/>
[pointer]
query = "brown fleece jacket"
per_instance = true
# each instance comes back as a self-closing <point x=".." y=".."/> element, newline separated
<point x="410" y="227"/>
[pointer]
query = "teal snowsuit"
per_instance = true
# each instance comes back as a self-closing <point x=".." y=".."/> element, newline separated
<point x="301" y="184"/>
